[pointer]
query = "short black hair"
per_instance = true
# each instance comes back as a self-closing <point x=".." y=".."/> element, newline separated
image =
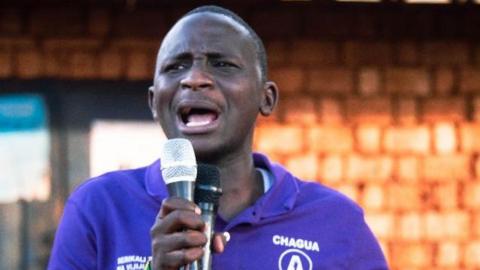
<point x="259" y="47"/>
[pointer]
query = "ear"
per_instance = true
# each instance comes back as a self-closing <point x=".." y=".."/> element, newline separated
<point x="269" y="98"/>
<point x="151" y="103"/>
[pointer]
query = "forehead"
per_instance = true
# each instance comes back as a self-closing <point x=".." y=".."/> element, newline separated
<point x="206" y="31"/>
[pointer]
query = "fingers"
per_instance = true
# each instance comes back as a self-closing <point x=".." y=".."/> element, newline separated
<point x="219" y="241"/>
<point x="178" y="241"/>
<point x="178" y="220"/>
<point x="175" y="203"/>
<point x="177" y="214"/>
<point x="177" y="258"/>
<point x="177" y="249"/>
<point x="177" y="234"/>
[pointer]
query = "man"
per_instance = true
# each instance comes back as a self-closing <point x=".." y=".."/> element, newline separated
<point x="210" y="84"/>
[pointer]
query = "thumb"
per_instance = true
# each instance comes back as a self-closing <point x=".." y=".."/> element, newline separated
<point x="219" y="242"/>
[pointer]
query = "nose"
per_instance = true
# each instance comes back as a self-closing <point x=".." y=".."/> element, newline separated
<point x="196" y="79"/>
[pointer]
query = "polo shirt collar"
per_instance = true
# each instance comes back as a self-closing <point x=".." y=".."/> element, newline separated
<point x="279" y="199"/>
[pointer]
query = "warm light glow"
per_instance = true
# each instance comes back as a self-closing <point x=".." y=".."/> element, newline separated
<point x="444" y="135"/>
<point x="304" y="166"/>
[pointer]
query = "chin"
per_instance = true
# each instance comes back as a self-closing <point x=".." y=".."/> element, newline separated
<point x="211" y="157"/>
<point x="208" y="152"/>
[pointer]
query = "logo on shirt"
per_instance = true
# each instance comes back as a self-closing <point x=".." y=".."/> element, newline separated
<point x="280" y="240"/>
<point x="132" y="262"/>
<point x="294" y="259"/>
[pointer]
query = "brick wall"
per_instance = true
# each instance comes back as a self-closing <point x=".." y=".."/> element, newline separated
<point x="382" y="104"/>
<point x="401" y="140"/>
<point x="395" y="126"/>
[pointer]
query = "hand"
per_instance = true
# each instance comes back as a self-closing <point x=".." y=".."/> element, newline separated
<point x="178" y="235"/>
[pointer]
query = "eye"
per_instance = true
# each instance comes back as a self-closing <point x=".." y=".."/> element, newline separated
<point x="174" y="67"/>
<point x="223" y="64"/>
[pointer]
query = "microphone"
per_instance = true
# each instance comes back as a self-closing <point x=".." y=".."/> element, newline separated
<point x="179" y="168"/>
<point x="207" y="194"/>
<point x="179" y="171"/>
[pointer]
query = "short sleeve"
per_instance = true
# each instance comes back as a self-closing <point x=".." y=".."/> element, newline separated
<point x="74" y="246"/>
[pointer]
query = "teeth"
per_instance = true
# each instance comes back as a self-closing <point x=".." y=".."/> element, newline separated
<point x="197" y="124"/>
<point x="197" y="120"/>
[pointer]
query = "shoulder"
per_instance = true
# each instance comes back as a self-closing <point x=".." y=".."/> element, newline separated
<point x="308" y="194"/>
<point x="317" y="197"/>
<point x="108" y="185"/>
<point x="316" y="193"/>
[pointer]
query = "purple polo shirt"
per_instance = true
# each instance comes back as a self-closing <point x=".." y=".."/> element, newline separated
<point x="295" y="225"/>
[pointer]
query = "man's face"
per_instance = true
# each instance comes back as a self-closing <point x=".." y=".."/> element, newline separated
<point x="207" y="85"/>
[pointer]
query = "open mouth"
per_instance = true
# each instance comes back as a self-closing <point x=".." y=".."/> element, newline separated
<point x="198" y="117"/>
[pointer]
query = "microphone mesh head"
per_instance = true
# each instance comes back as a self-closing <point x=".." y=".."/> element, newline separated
<point x="178" y="161"/>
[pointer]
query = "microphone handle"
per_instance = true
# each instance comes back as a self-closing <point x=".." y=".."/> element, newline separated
<point x="182" y="189"/>
<point x="208" y="216"/>
<point x="185" y="190"/>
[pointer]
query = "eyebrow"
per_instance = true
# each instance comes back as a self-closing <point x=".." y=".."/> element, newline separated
<point x="179" y="56"/>
<point x="188" y="55"/>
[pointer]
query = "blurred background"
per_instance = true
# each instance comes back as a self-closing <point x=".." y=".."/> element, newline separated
<point x="379" y="99"/>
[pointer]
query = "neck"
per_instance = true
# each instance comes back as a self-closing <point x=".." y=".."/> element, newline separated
<point x="241" y="185"/>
